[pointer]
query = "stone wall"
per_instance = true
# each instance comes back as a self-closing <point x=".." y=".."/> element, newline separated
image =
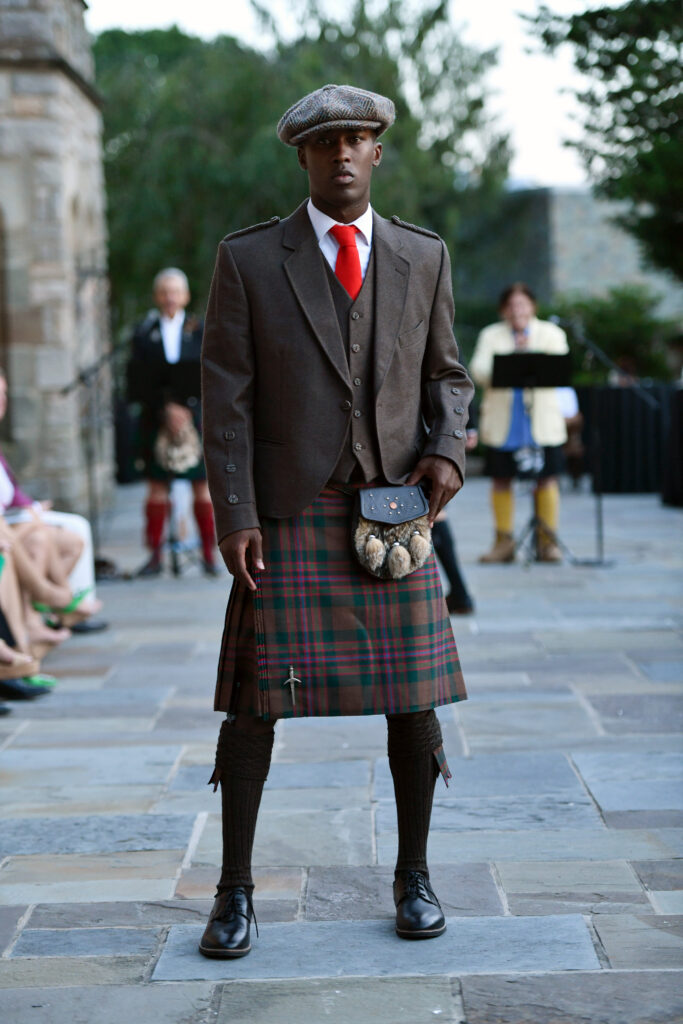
<point x="55" y="318"/>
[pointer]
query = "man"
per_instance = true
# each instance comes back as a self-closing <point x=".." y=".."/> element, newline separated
<point x="163" y="376"/>
<point x="520" y="425"/>
<point x="328" y="345"/>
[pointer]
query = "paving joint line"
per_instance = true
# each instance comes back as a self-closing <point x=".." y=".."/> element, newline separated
<point x="22" y="726"/>
<point x="498" y="882"/>
<point x="21" y="924"/>
<point x="593" y="716"/>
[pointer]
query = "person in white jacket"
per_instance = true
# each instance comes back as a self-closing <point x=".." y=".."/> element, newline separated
<point x="524" y="429"/>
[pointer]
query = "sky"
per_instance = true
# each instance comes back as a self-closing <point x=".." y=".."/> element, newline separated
<point x="529" y="89"/>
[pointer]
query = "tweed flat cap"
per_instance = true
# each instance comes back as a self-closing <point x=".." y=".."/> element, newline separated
<point x="335" y="106"/>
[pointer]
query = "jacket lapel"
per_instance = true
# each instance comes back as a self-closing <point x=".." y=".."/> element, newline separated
<point x="306" y="273"/>
<point x="392" y="274"/>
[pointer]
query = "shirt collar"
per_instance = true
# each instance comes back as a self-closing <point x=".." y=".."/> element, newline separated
<point x="322" y="223"/>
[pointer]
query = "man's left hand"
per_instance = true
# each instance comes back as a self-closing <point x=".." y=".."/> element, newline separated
<point x="444" y="478"/>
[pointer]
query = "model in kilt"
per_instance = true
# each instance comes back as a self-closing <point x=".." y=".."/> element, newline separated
<point x="328" y="365"/>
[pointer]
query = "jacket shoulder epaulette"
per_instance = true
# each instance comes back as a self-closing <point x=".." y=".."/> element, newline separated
<point x="254" y="227"/>
<point x="414" y="227"/>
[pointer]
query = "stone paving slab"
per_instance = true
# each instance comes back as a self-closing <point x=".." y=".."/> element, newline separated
<point x="636" y="942"/>
<point x="570" y="887"/>
<point x="15" y="802"/>
<point x="282" y="884"/>
<point x="47" y="942"/>
<point x="136" y="703"/>
<point x="113" y="766"/>
<point x="496" y="775"/>
<point x="555" y="844"/>
<point x="660" y="874"/>
<point x="45" y="972"/>
<point x="514" y="813"/>
<point x="667" y="671"/>
<point x="343" y="1001"/>
<point x="465" y="890"/>
<point x="95" y="834"/>
<point x="109" y="1004"/>
<point x="619" y="766"/>
<point x="640" y="713"/>
<point x="77" y="878"/>
<point x="667" y="902"/>
<point x="605" y="997"/>
<point x="9" y="920"/>
<point x="119" y="915"/>
<point x="344" y="948"/>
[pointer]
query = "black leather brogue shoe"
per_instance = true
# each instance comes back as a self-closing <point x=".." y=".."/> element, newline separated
<point x="418" y="914"/>
<point x="227" y="932"/>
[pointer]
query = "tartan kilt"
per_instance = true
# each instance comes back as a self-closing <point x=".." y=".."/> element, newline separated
<point x="356" y="645"/>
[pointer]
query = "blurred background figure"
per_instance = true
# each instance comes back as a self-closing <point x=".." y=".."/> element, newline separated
<point x="574" y="450"/>
<point x="524" y="429"/>
<point x="458" y="599"/>
<point x="163" y="377"/>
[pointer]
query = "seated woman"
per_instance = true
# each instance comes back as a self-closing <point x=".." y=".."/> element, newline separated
<point x="19" y="661"/>
<point x="59" y="544"/>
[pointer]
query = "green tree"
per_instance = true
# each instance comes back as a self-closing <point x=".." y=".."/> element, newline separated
<point x="190" y="145"/>
<point x="625" y="324"/>
<point x="632" y="113"/>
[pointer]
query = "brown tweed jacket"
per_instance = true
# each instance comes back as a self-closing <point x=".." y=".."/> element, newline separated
<point x="276" y="388"/>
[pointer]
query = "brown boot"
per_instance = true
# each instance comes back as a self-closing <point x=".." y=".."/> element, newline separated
<point x="548" y="551"/>
<point x="503" y="549"/>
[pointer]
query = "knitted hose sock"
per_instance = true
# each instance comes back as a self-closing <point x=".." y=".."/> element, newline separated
<point x="155" y="518"/>
<point x="242" y="763"/>
<point x="412" y="741"/>
<point x="203" y="514"/>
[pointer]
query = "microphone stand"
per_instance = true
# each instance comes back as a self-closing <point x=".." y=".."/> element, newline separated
<point x="86" y="380"/>
<point x="576" y="332"/>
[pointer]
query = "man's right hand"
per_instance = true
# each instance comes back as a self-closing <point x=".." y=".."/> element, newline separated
<point x="234" y="550"/>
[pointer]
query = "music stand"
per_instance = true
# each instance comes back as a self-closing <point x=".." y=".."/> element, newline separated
<point x="530" y="370"/>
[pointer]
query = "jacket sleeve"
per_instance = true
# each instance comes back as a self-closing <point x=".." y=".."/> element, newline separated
<point x="227" y="399"/>
<point x="447" y="389"/>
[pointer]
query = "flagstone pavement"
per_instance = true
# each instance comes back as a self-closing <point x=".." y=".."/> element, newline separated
<point x="555" y="851"/>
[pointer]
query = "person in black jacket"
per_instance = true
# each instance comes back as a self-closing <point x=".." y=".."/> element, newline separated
<point x="163" y="377"/>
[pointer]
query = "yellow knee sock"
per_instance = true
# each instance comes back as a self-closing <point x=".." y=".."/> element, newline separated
<point x="548" y="506"/>
<point x="503" y="503"/>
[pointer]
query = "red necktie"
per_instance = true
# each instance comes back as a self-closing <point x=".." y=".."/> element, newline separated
<point x="347" y="267"/>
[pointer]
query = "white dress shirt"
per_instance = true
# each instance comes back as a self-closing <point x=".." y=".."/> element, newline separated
<point x="172" y="335"/>
<point x="329" y="246"/>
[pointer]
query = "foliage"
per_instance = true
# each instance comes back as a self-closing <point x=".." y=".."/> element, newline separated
<point x="625" y="325"/>
<point x="191" y="151"/>
<point x="632" y="112"/>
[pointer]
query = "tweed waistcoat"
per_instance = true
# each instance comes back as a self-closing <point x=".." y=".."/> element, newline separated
<point x="360" y="455"/>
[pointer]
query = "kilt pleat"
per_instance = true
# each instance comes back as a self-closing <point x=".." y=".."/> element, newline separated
<point x="354" y="644"/>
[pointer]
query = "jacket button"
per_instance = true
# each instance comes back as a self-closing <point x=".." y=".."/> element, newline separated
<point x="355" y="348"/>
<point x="459" y="409"/>
<point x="455" y="391"/>
<point x="346" y="404"/>
<point x="358" y="446"/>
<point x="357" y="413"/>
<point x="233" y="499"/>
<point x="229" y="435"/>
<point x="458" y="433"/>
<point x="230" y="468"/>
<point x="357" y="381"/>
<point x="355" y="316"/>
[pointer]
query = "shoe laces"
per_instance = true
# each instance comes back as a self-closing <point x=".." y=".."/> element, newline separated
<point x="229" y="907"/>
<point x="416" y="885"/>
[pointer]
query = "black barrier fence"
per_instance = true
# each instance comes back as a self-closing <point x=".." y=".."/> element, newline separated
<point x="638" y="443"/>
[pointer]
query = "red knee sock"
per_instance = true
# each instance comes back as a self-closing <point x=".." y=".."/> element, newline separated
<point x="155" y="517"/>
<point x="203" y="513"/>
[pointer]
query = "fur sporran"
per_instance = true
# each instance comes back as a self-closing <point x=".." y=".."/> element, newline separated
<point x="391" y="533"/>
<point x="178" y="452"/>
